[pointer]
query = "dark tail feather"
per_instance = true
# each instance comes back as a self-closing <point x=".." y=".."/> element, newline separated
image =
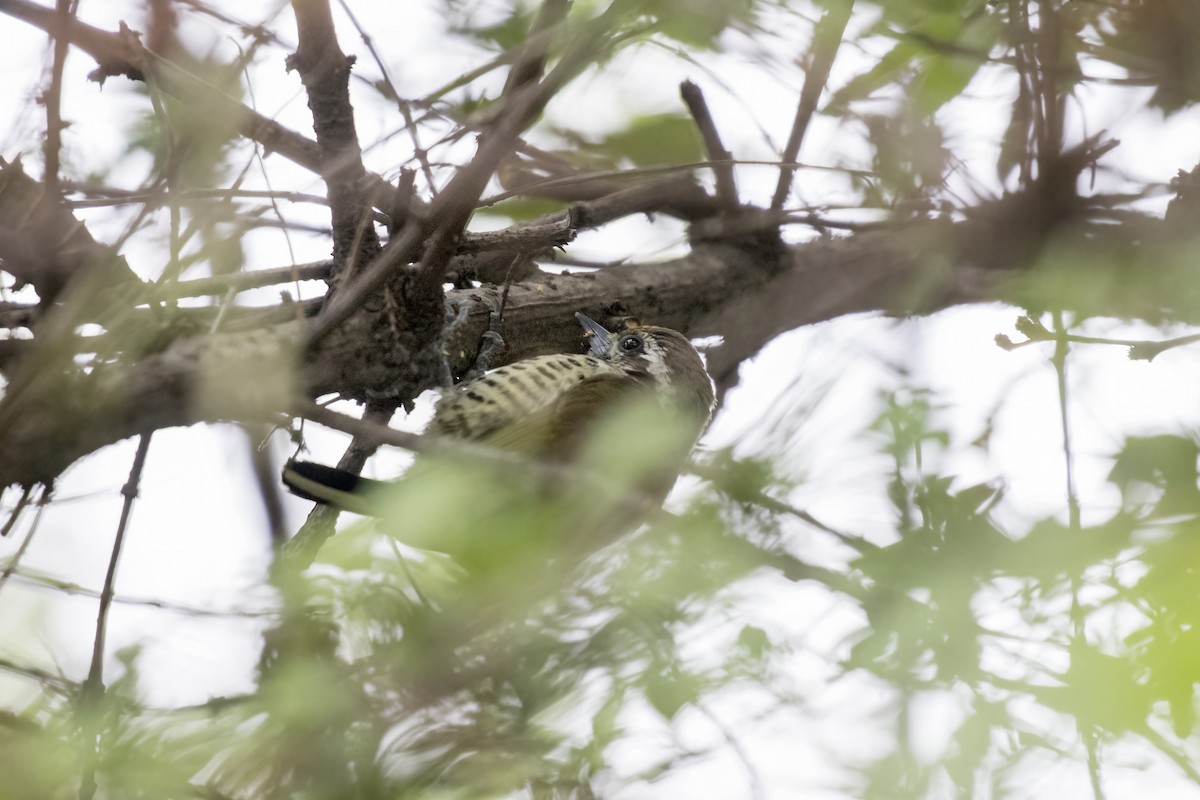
<point x="329" y="485"/>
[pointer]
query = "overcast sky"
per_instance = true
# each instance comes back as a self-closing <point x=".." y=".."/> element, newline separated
<point x="198" y="536"/>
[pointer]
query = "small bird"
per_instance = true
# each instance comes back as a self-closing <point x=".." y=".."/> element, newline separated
<point x="544" y="407"/>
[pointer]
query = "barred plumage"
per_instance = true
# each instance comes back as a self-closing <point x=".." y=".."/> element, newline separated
<point x="543" y="406"/>
<point x="475" y="409"/>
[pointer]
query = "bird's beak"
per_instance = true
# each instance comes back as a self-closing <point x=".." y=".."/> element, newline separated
<point x="598" y="336"/>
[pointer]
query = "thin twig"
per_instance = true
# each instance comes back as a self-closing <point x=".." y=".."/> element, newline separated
<point x="93" y="688"/>
<point x="15" y="561"/>
<point x="106" y="196"/>
<point x="455" y="204"/>
<point x="299" y="551"/>
<point x="520" y="108"/>
<point x="588" y="180"/>
<point x="757" y="791"/>
<point x="1182" y="759"/>
<point x="1139" y="349"/>
<point x="266" y="475"/>
<point x="120" y="53"/>
<point x="720" y="157"/>
<point x="1062" y="349"/>
<point x="43" y="677"/>
<point x="530" y="61"/>
<point x="325" y="72"/>
<point x="52" y="99"/>
<point x="827" y="38"/>
<point x="405" y="108"/>
<point x="256" y="279"/>
<point x="14" y="515"/>
<point x="48" y="583"/>
<point x="722" y="477"/>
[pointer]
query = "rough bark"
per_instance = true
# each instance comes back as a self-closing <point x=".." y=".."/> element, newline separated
<point x="380" y="336"/>
<point x="717" y="289"/>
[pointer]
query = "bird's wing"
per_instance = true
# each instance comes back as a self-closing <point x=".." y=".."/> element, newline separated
<point x="476" y="410"/>
<point x="556" y="429"/>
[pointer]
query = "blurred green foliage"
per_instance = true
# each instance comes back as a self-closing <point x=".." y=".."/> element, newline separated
<point x="494" y="635"/>
<point x="529" y="636"/>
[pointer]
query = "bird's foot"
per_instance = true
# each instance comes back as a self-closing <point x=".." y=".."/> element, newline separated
<point x="490" y="344"/>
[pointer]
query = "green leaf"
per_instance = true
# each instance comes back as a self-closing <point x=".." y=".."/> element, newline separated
<point x="654" y="140"/>
<point x="891" y="69"/>
<point x="754" y="641"/>
<point x="941" y="79"/>
<point x="670" y="692"/>
<point x="507" y="34"/>
<point x="520" y="209"/>
<point x="698" y="23"/>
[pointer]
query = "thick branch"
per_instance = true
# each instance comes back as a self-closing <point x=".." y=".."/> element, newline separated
<point x="41" y="241"/>
<point x="718" y="289"/>
<point x="325" y="72"/>
<point x="451" y="210"/>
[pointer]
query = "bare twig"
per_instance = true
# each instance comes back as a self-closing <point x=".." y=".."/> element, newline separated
<point x="129" y="491"/>
<point x="757" y="791"/>
<point x="325" y="72"/>
<point x="405" y="107"/>
<point x="299" y="551"/>
<point x="827" y="38"/>
<point x="721" y="158"/>
<point x="15" y="561"/>
<point x="256" y="279"/>
<point x="52" y="99"/>
<point x="369" y="431"/>
<point x="1139" y="349"/>
<point x="44" y="678"/>
<point x="49" y="583"/>
<point x="553" y="230"/>
<point x="454" y="205"/>
<point x="267" y="477"/>
<point x="529" y="63"/>
<point x="723" y="477"/>
<point x="93" y="687"/>
<point x="556" y="231"/>
<point x="13" y="516"/>
<point x="105" y="196"/>
<point x="519" y="110"/>
<point x="1062" y="348"/>
<point x="121" y="53"/>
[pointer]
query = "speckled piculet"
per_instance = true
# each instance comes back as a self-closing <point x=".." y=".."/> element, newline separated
<point x="544" y="407"/>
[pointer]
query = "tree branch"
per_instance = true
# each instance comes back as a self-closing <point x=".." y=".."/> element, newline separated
<point x="717" y="289"/>
<point x="325" y="72"/>
<point x="827" y="38"/>
<point x="122" y="53"/>
<point x="722" y="159"/>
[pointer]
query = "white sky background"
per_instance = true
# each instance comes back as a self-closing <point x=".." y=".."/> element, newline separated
<point x="197" y="535"/>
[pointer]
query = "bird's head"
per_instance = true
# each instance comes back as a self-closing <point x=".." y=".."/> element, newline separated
<point x="659" y="357"/>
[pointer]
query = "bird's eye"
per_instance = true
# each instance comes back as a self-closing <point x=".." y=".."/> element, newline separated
<point x="631" y="344"/>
